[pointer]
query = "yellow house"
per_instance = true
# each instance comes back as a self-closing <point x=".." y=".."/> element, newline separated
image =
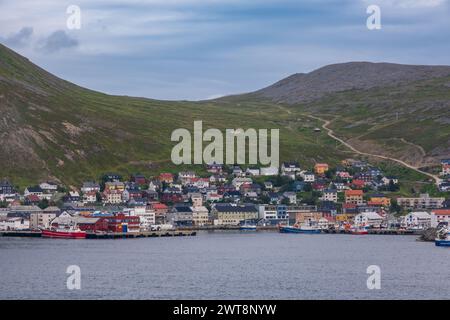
<point x="380" y="199"/>
<point x="321" y="168"/>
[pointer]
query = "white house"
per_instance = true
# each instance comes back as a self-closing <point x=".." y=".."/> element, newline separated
<point x="440" y="215"/>
<point x="419" y="219"/>
<point x="41" y="220"/>
<point x="329" y="195"/>
<point x="291" y="196"/>
<point x="147" y="216"/>
<point x="269" y="171"/>
<point x="48" y="187"/>
<point x="371" y="219"/>
<point x="308" y="176"/>
<point x="290" y="167"/>
<point x="16" y="223"/>
<point x="238" y="182"/>
<point x="252" y="172"/>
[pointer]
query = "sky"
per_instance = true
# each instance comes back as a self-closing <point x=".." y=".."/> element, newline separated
<point x="202" y="49"/>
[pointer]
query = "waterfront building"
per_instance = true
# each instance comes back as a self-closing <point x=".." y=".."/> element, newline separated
<point x="181" y="215"/>
<point x="41" y="220"/>
<point x="200" y="215"/>
<point x="14" y="223"/>
<point x="370" y="219"/>
<point x="418" y="219"/>
<point x="233" y="214"/>
<point x="440" y="215"/>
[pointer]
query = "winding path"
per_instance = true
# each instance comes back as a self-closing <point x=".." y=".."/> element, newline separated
<point x="331" y="134"/>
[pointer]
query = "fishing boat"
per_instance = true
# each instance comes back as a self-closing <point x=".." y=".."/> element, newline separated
<point x="64" y="233"/>
<point x="309" y="228"/>
<point x="359" y="231"/>
<point x="443" y="238"/>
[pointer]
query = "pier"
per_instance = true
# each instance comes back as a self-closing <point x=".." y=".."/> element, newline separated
<point x="109" y="235"/>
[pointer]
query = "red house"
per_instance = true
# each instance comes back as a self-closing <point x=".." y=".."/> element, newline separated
<point x="123" y="223"/>
<point x="92" y="224"/>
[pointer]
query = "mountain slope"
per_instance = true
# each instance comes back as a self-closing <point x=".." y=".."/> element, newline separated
<point x="51" y="128"/>
<point x="334" y="78"/>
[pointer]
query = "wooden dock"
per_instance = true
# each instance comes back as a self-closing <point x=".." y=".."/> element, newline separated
<point x="142" y="234"/>
<point x="30" y="234"/>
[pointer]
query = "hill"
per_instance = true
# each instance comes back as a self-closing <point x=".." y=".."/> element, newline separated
<point x="53" y="129"/>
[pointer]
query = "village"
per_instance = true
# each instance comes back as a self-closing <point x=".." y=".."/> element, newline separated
<point x="353" y="194"/>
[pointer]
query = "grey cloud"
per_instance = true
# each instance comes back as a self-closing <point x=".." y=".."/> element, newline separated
<point x="56" y="41"/>
<point x="21" y="38"/>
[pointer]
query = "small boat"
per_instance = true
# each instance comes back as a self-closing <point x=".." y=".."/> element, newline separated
<point x="359" y="231"/>
<point x="308" y="228"/>
<point x="248" y="227"/>
<point x="443" y="238"/>
<point x="64" y="233"/>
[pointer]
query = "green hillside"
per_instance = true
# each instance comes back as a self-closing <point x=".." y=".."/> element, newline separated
<point x="52" y="129"/>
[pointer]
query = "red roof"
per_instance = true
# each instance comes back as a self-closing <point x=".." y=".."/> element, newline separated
<point x="159" y="206"/>
<point x="33" y="198"/>
<point x="441" y="212"/>
<point x="353" y="192"/>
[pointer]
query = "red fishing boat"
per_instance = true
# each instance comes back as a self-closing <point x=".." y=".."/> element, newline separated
<point x="64" y="233"/>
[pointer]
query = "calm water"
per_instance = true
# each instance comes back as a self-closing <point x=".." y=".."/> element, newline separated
<point x="225" y="265"/>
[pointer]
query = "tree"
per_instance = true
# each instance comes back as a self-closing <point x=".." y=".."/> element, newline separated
<point x="43" y="204"/>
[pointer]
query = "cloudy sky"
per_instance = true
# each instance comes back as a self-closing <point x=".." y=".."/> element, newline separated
<point x="198" y="49"/>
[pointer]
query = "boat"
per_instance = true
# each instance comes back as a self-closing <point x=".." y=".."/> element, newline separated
<point x="248" y="227"/>
<point x="443" y="238"/>
<point x="308" y="228"/>
<point x="64" y="233"/>
<point x="359" y="231"/>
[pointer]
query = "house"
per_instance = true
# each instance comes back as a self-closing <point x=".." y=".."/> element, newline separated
<point x="181" y="215"/>
<point x="290" y="167"/>
<point x="161" y="211"/>
<point x="252" y="172"/>
<point x="14" y="223"/>
<point x="424" y="201"/>
<point x="112" y="177"/>
<point x="90" y="197"/>
<point x="112" y="196"/>
<point x="269" y="171"/>
<point x="387" y="180"/>
<point x="354" y="196"/>
<point x="166" y="177"/>
<point x="237" y="171"/>
<point x="268" y="185"/>
<point x="368" y="219"/>
<point x="340" y="186"/>
<point x="440" y="215"/>
<point x="233" y="214"/>
<point x="444" y="187"/>
<point x="92" y="224"/>
<point x="90" y="186"/>
<point x="197" y="199"/>
<point x="123" y="223"/>
<point x="36" y="190"/>
<point x="343" y="174"/>
<point x="146" y="214"/>
<point x="238" y="182"/>
<point x="138" y="179"/>
<point x="320" y="168"/>
<point x="114" y="185"/>
<point x="358" y="183"/>
<point x="32" y="199"/>
<point x="290" y="196"/>
<point x="319" y="186"/>
<point x="41" y="220"/>
<point x="6" y="188"/>
<point x="214" y="168"/>
<point x="308" y="176"/>
<point x="72" y="196"/>
<point x="129" y="194"/>
<point x="380" y="199"/>
<point x="418" y="219"/>
<point x="298" y="186"/>
<point x="445" y="171"/>
<point x="49" y="187"/>
<point x="329" y="195"/>
<point x="200" y="216"/>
